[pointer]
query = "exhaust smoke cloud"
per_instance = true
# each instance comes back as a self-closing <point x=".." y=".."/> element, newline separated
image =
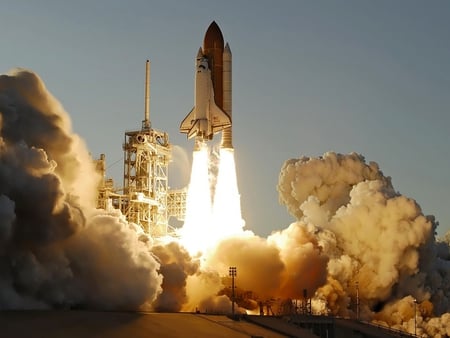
<point x="376" y="239"/>
<point x="353" y="234"/>
<point x="57" y="251"/>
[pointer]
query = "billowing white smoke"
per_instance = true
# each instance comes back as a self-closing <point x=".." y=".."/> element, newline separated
<point x="353" y="232"/>
<point x="378" y="241"/>
<point x="56" y="250"/>
<point x="329" y="178"/>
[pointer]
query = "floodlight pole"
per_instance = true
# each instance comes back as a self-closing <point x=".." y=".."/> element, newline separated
<point x="232" y="273"/>
<point x="415" y="317"/>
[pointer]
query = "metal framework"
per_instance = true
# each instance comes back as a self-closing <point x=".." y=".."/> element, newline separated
<point x="176" y="203"/>
<point x="106" y="185"/>
<point x="145" y="185"/>
<point x="145" y="198"/>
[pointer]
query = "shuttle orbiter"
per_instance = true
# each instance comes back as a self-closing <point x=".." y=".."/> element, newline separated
<point x="206" y="118"/>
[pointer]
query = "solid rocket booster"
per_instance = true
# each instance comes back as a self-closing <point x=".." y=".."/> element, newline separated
<point x="227" y="82"/>
<point x="212" y="101"/>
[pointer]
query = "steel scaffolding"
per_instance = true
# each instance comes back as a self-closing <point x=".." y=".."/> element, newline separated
<point x="145" y="186"/>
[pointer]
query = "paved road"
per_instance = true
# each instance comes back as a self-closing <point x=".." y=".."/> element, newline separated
<point x="89" y="324"/>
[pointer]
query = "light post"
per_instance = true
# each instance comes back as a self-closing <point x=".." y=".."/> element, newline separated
<point x="415" y="317"/>
<point x="232" y="273"/>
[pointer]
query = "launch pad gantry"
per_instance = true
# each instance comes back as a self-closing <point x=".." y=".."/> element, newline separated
<point x="145" y="198"/>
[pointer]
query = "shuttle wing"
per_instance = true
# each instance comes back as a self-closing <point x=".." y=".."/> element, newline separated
<point x="188" y="122"/>
<point x="205" y="126"/>
<point x="219" y="119"/>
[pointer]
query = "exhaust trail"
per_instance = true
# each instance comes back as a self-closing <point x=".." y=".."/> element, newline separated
<point x="226" y="213"/>
<point x="196" y="231"/>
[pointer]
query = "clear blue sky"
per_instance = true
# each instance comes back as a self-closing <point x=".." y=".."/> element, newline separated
<point x="371" y="77"/>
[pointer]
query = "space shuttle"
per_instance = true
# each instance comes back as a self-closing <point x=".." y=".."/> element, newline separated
<point x="212" y="99"/>
<point x="206" y="118"/>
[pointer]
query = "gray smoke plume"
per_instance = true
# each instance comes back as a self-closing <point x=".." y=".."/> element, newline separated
<point x="379" y="243"/>
<point x="176" y="266"/>
<point x="56" y="250"/>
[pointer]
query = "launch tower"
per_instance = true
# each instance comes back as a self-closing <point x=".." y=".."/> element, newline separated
<point x="145" y="198"/>
<point x="145" y="183"/>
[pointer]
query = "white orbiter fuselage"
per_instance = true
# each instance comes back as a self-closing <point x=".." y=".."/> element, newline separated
<point x="206" y="118"/>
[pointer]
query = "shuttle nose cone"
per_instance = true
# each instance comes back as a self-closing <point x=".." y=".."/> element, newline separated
<point x="213" y="37"/>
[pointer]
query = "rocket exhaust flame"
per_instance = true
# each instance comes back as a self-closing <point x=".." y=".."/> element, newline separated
<point x="209" y="220"/>
<point x="196" y="231"/>
<point x="227" y="218"/>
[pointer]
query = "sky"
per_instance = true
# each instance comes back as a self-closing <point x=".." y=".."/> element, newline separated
<point x="309" y="77"/>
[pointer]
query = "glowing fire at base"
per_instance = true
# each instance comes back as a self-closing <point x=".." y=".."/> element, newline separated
<point x="227" y="218"/>
<point x="206" y="224"/>
<point x="196" y="230"/>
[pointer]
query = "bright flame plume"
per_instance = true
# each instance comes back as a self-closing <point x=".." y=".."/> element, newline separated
<point x="227" y="217"/>
<point x="196" y="229"/>
<point x="206" y="223"/>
